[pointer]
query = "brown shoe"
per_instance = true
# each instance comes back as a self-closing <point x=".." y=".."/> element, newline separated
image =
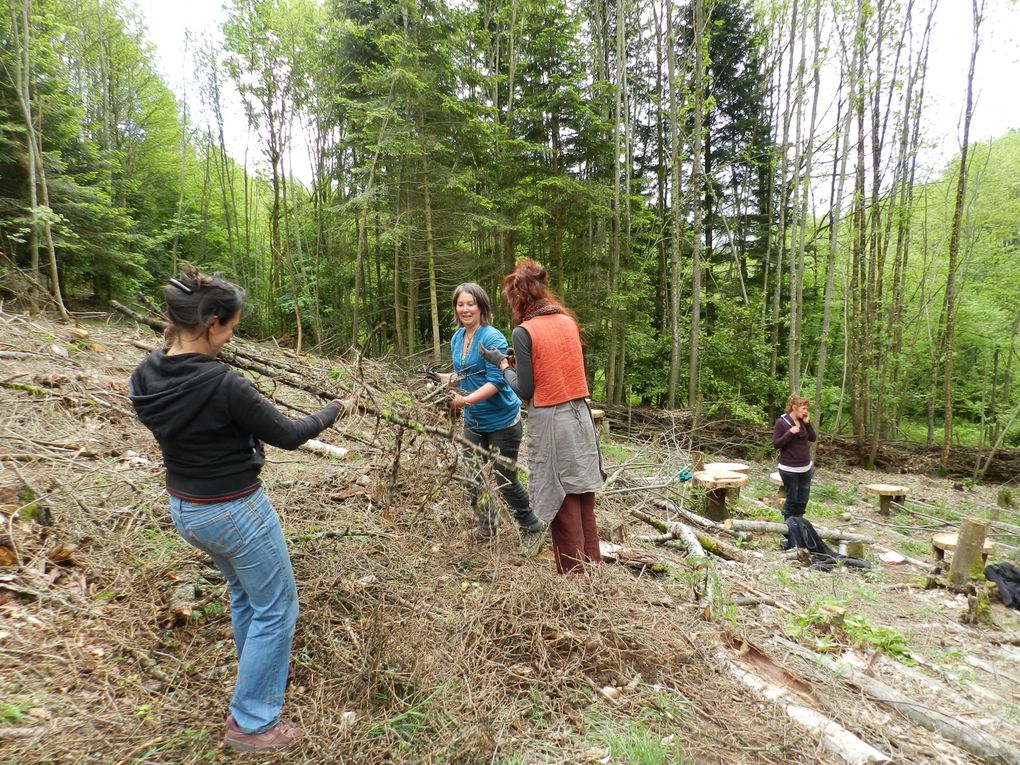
<point x="280" y="736"/>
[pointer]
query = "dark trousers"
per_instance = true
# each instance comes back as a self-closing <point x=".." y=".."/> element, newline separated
<point x="798" y="489"/>
<point x="575" y="536"/>
<point x="508" y="443"/>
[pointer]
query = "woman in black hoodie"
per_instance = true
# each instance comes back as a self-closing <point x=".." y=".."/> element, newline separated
<point x="211" y="424"/>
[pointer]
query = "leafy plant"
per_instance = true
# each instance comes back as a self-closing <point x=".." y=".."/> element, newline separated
<point x="14" y="712"/>
<point x="828" y="618"/>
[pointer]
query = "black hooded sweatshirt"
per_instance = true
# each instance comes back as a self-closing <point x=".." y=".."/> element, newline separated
<point x="210" y="423"/>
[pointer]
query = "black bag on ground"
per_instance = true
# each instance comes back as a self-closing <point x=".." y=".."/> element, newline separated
<point x="1007" y="578"/>
<point x="800" y="533"/>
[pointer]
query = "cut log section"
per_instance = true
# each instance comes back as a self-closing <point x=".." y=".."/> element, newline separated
<point x="717" y="485"/>
<point x="729" y="467"/>
<point x="970" y="547"/>
<point x="887" y="494"/>
<point x="325" y="450"/>
<point x="183" y="601"/>
<point x="946" y="541"/>
<point x="780" y="498"/>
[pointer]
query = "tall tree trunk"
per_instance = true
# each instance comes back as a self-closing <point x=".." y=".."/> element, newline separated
<point x="661" y="287"/>
<point x="954" y="242"/>
<point x="38" y="187"/>
<point x="674" y="200"/>
<point x="697" y="192"/>
<point x="430" y="255"/>
<point x="784" y="196"/>
<point x="840" y="157"/>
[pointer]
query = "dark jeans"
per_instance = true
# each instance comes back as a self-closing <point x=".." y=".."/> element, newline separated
<point x="575" y="535"/>
<point x="508" y="443"/>
<point x="798" y="489"/>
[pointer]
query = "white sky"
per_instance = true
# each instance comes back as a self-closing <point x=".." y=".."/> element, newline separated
<point x="997" y="77"/>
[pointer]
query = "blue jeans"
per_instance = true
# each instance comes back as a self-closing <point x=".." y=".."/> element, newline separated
<point x="507" y="442"/>
<point x="798" y="489"/>
<point x="244" y="539"/>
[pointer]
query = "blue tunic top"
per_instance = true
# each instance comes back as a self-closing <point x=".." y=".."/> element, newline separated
<point x="498" y="411"/>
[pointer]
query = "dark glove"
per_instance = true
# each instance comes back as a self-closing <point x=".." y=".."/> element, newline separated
<point x="492" y="355"/>
<point x="430" y="374"/>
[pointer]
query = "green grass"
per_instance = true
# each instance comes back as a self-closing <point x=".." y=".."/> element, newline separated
<point x="410" y="725"/>
<point x="830" y="492"/>
<point x="915" y="548"/>
<point x="632" y="742"/>
<point x="14" y="712"/>
<point x="163" y="543"/>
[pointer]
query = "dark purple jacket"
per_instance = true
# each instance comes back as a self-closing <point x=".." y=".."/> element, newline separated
<point x="793" y="447"/>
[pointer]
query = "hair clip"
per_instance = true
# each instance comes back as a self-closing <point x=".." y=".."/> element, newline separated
<point x="182" y="286"/>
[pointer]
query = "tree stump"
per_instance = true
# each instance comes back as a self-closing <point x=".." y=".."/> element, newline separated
<point x="970" y="551"/>
<point x="598" y="416"/>
<point x="717" y="486"/>
<point x="887" y="494"/>
<point x="729" y="467"/>
<point x="780" y="499"/>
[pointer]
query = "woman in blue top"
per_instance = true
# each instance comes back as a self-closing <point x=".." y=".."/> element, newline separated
<point x="492" y="411"/>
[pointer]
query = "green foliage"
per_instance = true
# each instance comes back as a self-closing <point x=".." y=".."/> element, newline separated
<point x="818" y="621"/>
<point x="449" y="140"/>
<point x="735" y="379"/>
<point x="14" y="712"/>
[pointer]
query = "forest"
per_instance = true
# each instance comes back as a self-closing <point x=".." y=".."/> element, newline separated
<point x="727" y="194"/>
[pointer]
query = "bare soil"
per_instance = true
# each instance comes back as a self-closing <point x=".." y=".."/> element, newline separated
<point x="418" y="644"/>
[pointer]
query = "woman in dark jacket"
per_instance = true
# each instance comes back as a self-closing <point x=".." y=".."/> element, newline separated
<point x="211" y="423"/>
<point x="564" y="465"/>
<point x="791" y="435"/>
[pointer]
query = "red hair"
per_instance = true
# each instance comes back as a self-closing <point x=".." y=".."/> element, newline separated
<point x="526" y="289"/>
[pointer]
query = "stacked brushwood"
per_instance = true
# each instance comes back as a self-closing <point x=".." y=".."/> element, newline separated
<point x="415" y="643"/>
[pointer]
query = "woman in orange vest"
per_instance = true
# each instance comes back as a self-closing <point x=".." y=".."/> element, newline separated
<point x="564" y="464"/>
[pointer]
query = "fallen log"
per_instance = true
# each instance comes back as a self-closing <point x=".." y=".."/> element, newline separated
<point x="962" y="734"/>
<point x="768" y="527"/>
<point x="183" y="601"/>
<point x="700" y="520"/>
<point x="836" y="739"/>
<point x="705" y="542"/>
<point x="686" y="535"/>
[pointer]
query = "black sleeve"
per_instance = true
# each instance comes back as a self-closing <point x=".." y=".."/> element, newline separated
<point x="257" y="415"/>
<point x="522" y="380"/>
<point x="811" y="436"/>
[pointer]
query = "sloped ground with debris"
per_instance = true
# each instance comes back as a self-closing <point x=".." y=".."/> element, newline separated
<point x="417" y="644"/>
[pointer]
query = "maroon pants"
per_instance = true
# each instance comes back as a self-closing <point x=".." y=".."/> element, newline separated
<point x="575" y="537"/>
